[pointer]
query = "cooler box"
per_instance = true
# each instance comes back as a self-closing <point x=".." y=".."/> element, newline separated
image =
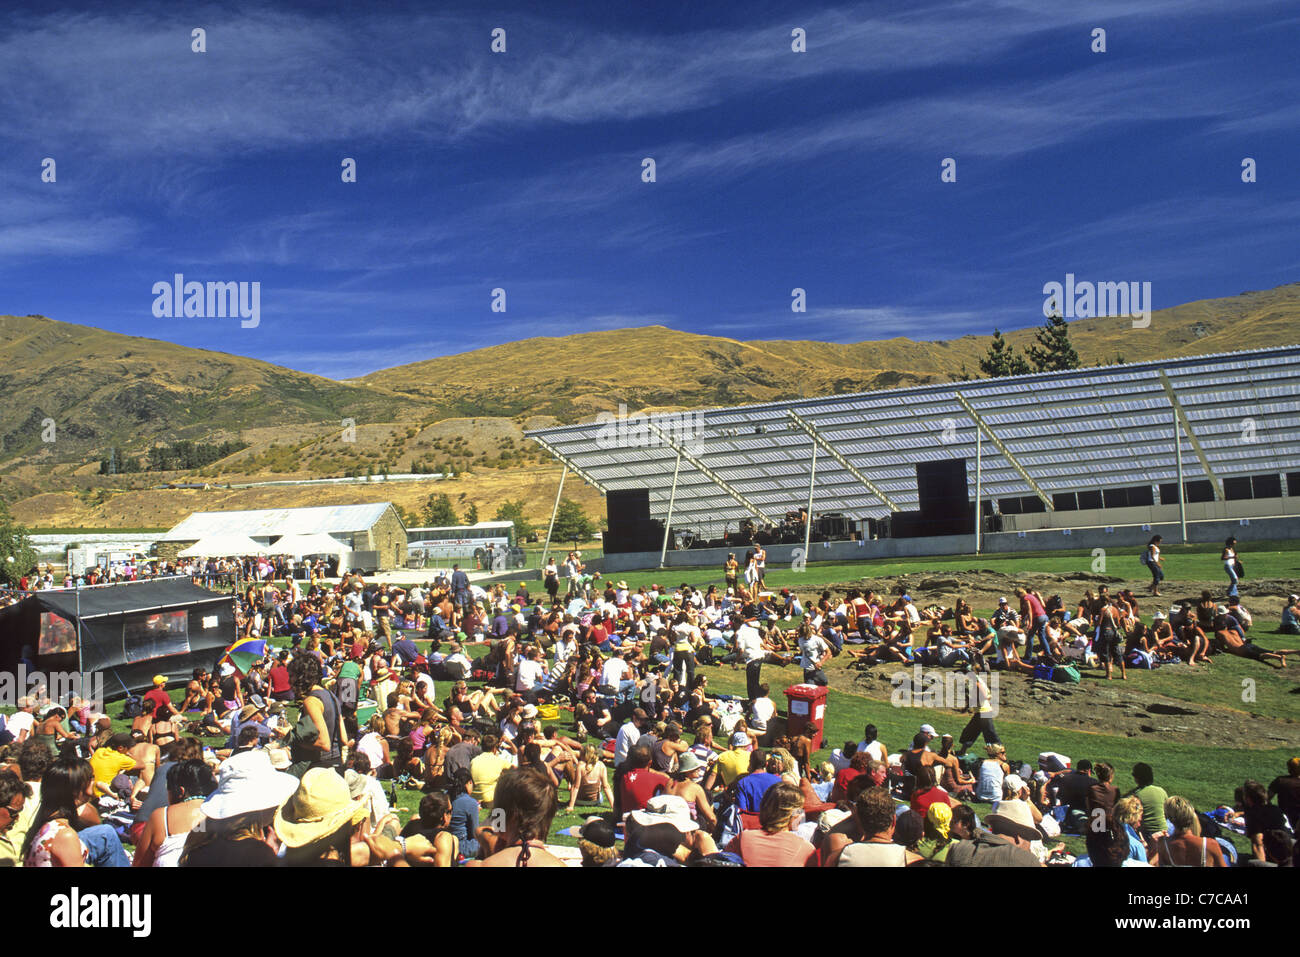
<point x="806" y="706"/>
<point x="366" y="709"/>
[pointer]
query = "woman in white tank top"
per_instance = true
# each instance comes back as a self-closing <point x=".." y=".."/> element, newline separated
<point x="188" y="785"/>
<point x="992" y="771"/>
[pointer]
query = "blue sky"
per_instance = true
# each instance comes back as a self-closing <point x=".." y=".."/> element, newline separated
<point x="522" y="170"/>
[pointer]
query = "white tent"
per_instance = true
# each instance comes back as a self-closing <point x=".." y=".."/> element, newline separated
<point x="223" y="546"/>
<point x="317" y="543"/>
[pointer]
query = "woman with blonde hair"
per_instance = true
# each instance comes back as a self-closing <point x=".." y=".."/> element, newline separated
<point x="776" y="844"/>
<point x="593" y="780"/>
<point x="1187" y="847"/>
<point x="993" y="769"/>
<point x="1128" y="815"/>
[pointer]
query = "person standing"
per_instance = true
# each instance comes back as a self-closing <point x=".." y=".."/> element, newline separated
<point x="551" y="578"/>
<point x="731" y="572"/>
<point x="1232" y="565"/>
<point x="1155" y="563"/>
<point x="981" y="721"/>
<point x="459" y="588"/>
<point x="751" y="576"/>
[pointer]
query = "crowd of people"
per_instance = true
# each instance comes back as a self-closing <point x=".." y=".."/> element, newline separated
<point x="317" y="740"/>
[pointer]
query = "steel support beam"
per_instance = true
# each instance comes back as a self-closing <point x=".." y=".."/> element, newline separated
<point x="1182" y="489"/>
<point x="844" y="463"/>
<point x="807" y="525"/>
<point x="1216" y="483"/>
<point x="1006" y="452"/>
<point x="979" y="485"/>
<point x="711" y="475"/>
<point x="546" y="549"/>
<point x="668" y="522"/>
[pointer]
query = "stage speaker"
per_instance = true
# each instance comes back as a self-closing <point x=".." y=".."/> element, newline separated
<point x="627" y="505"/>
<point x="941" y="488"/>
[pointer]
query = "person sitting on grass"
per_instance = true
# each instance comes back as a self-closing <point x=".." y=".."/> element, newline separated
<point x="1188" y="643"/>
<point x="1291" y="616"/>
<point x="1186" y="848"/>
<point x="112" y="764"/>
<point x="776" y="844"/>
<point x="527" y="804"/>
<point x="189" y="783"/>
<point x="592" y="780"/>
<point x="874" y="810"/>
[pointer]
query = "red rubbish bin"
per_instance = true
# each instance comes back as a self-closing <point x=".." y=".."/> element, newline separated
<point x="806" y="706"/>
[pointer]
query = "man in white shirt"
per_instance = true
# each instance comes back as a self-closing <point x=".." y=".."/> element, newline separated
<point x="20" y="723"/>
<point x="752" y="650"/>
<point x="616" y="678"/>
<point x="628" y="736"/>
<point x="813" y="653"/>
<point x="529" y="674"/>
<point x="763" y="710"/>
<point x="872" y="746"/>
<point x="909" y="609"/>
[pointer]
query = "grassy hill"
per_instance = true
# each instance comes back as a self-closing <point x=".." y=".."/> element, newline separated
<point x="575" y="376"/>
<point x="104" y="389"/>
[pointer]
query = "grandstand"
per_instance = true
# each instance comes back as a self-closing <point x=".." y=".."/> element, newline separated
<point x="1192" y="448"/>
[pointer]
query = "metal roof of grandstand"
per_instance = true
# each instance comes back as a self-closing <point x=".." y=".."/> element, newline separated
<point x="1081" y="430"/>
<point x="270" y="522"/>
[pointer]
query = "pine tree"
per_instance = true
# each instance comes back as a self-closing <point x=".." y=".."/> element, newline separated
<point x="1001" y="360"/>
<point x="471" y="514"/>
<point x="438" y="511"/>
<point x="571" y="524"/>
<point x="1054" y="351"/>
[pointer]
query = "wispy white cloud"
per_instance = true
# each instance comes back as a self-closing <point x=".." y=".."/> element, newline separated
<point x="128" y="83"/>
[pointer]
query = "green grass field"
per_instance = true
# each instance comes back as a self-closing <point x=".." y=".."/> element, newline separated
<point x="1204" y="771"/>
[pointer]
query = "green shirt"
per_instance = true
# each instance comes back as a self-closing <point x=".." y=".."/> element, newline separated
<point x="350" y="669"/>
<point x="1153" y="800"/>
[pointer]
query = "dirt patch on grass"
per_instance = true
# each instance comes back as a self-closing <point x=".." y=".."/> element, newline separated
<point x="983" y="587"/>
<point x="1113" y="708"/>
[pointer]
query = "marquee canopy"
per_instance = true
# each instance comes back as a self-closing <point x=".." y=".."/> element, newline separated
<point x="223" y="546"/>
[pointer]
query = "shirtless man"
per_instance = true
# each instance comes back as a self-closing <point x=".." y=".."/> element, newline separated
<point x="1231" y="642"/>
<point x="198" y="694"/>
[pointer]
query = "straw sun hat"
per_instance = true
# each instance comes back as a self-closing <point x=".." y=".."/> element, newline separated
<point x="321" y="805"/>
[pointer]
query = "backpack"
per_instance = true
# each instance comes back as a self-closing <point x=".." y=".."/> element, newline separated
<point x="1066" y="674"/>
<point x="132" y="707"/>
<point x="1145" y="557"/>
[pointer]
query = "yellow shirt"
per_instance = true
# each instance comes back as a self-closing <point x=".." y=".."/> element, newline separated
<point x="108" y="764"/>
<point x="732" y="764"/>
<point x="484" y="771"/>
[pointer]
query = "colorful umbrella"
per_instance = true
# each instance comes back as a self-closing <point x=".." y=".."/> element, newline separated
<point x="245" y="653"/>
